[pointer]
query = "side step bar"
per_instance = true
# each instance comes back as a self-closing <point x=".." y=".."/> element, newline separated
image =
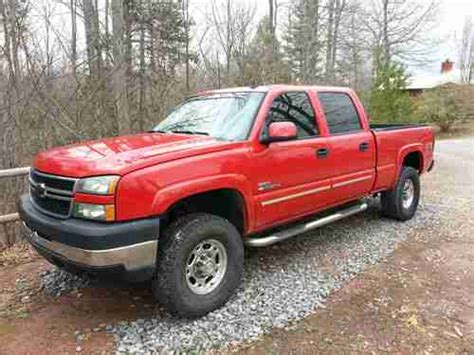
<point x="292" y="231"/>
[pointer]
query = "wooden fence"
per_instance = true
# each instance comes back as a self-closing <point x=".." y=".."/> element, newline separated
<point x="11" y="173"/>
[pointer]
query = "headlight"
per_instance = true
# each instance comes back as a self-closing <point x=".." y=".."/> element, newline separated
<point x="99" y="185"/>
<point x="104" y="213"/>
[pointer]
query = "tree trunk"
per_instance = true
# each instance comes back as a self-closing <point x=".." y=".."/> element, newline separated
<point x="107" y="53"/>
<point x="142" y="68"/>
<point x="228" y="51"/>
<point x="186" y="34"/>
<point x="73" y="37"/>
<point x="340" y="7"/>
<point x="14" y="38"/>
<point x="272" y="25"/>
<point x="120" y="67"/>
<point x="127" y="36"/>
<point x="312" y="46"/>
<point x="9" y="114"/>
<point x="91" y="24"/>
<point x="386" y="41"/>
<point x="96" y="38"/>
<point x="330" y="41"/>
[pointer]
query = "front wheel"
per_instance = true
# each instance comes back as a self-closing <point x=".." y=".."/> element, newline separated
<point x="199" y="266"/>
<point x="401" y="202"/>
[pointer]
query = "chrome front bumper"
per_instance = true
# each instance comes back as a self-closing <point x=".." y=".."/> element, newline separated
<point x="123" y="250"/>
<point x="132" y="257"/>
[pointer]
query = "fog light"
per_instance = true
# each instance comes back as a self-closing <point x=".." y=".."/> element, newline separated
<point x="104" y="213"/>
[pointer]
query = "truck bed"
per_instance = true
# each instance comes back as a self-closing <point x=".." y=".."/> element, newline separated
<point x="395" y="141"/>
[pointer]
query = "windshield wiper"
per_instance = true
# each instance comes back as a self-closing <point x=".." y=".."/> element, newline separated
<point x="190" y="132"/>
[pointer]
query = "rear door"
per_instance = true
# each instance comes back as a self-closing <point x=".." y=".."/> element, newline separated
<point x="352" y="147"/>
<point x="291" y="178"/>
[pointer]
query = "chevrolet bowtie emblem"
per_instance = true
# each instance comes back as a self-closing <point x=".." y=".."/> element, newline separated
<point x="41" y="190"/>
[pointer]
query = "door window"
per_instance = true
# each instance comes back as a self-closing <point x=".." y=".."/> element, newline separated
<point x="341" y="115"/>
<point x="294" y="107"/>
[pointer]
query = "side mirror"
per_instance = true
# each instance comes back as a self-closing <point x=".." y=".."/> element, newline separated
<point x="279" y="132"/>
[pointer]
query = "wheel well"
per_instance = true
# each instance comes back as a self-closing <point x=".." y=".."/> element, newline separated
<point x="226" y="203"/>
<point x="414" y="160"/>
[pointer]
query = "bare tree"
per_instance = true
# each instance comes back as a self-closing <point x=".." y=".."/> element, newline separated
<point x="232" y="26"/>
<point x="12" y="19"/>
<point x="398" y="28"/>
<point x="466" y="52"/>
<point x="244" y="19"/>
<point x="224" y="22"/>
<point x="354" y="49"/>
<point x="304" y="44"/>
<point x="336" y="10"/>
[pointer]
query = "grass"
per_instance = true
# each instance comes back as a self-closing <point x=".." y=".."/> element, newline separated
<point x="462" y="129"/>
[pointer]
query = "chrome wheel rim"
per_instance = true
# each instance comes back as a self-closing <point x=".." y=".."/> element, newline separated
<point x="408" y="193"/>
<point x="206" y="266"/>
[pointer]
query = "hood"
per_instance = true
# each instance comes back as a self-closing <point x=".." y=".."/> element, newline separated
<point x="120" y="155"/>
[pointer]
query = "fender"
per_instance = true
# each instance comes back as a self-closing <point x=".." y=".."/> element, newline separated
<point x="171" y="194"/>
<point x="410" y="148"/>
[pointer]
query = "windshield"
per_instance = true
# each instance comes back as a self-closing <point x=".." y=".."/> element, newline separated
<point x="225" y="116"/>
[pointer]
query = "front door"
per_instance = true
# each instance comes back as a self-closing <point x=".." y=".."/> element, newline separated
<point x="291" y="178"/>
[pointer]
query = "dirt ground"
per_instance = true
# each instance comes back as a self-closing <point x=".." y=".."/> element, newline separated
<point x="418" y="300"/>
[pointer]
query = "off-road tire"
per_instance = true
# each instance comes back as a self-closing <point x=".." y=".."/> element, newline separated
<point x="392" y="201"/>
<point x="178" y="240"/>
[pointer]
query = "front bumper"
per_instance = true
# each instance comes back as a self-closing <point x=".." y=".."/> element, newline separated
<point x="125" y="250"/>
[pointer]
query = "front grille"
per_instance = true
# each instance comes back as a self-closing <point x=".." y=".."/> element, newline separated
<point x="52" y="194"/>
<point x="54" y="182"/>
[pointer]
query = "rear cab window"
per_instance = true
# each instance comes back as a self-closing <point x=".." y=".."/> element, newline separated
<point x="294" y="107"/>
<point x="340" y="112"/>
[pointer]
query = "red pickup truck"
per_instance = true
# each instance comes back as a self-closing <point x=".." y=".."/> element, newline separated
<point x="226" y="168"/>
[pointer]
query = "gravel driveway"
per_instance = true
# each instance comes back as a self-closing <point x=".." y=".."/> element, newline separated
<point x="288" y="281"/>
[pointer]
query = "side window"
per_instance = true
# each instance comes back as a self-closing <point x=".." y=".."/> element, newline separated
<point x="294" y="107"/>
<point x="341" y="115"/>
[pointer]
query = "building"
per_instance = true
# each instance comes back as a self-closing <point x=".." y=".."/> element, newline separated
<point x="448" y="76"/>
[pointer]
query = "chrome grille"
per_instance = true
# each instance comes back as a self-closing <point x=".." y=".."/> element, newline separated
<point x="52" y="194"/>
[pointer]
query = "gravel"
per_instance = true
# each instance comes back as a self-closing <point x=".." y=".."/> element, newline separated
<point x="282" y="283"/>
<point x="56" y="282"/>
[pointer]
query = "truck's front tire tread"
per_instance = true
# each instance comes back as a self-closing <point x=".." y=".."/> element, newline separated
<point x="169" y="285"/>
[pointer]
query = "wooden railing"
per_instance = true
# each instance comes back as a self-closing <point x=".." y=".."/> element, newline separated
<point x="10" y="173"/>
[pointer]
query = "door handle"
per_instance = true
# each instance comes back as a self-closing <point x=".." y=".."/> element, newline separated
<point x="322" y="152"/>
<point x="364" y="146"/>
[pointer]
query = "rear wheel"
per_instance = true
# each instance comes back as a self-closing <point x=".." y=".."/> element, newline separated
<point x="199" y="266"/>
<point x="401" y="202"/>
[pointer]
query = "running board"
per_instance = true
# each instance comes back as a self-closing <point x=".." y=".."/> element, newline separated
<point x="292" y="231"/>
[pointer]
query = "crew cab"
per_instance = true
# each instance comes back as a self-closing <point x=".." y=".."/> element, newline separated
<point x="226" y="168"/>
